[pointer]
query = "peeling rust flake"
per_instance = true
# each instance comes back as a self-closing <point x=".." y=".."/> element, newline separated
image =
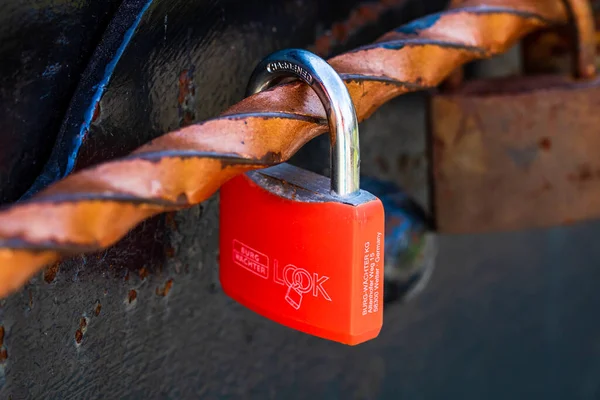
<point x="143" y="273"/>
<point x="97" y="309"/>
<point x="165" y="289"/>
<point x="132" y="296"/>
<point x="50" y="272"/>
<point x="78" y="336"/>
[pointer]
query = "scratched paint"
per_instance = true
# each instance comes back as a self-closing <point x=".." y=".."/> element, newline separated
<point x="186" y="99"/>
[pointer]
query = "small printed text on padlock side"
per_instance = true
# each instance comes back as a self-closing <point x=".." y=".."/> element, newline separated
<point x="371" y="276"/>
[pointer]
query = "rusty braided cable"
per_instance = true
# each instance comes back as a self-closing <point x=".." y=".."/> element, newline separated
<point x="95" y="207"/>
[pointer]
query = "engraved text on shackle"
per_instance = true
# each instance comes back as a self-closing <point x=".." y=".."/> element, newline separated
<point x="288" y="66"/>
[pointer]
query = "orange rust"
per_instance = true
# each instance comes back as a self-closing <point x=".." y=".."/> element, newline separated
<point x="545" y="144"/>
<point x="165" y="289"/>
<point x="80" y="332"/>
<point x="359" y="18"/>
<point x="583" y="20"/>
<point x="260" y="131"/>
<point x="131" y="296"/>
<point x="1" y="335"/>
<point x="78" y="336"/>
<point x="143" y="273"/>
<point x="97" y="309"/>
<point x="3" y="355"/>
<point x="184" y="86"/>
<point x="496" y="168"/>
<point x="50" y="272"/>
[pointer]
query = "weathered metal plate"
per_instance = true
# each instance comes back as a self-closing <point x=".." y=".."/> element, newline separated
<point x="514" y="154"/>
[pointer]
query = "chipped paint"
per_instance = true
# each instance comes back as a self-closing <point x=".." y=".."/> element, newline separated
<point x="132" y="296"/>
<point x="186" y="98"/>
<point x="143" y="273"/>
<point x="165" y="289"/>
<point x="359" y="18"/>
<point x="98" y="308"/>
<point x="80" y="332"/>
<point x="3" y="350"/>
<point x="50" y="272"/>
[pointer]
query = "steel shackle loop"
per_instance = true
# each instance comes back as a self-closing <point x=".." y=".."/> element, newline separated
<point x="343" y="123"/>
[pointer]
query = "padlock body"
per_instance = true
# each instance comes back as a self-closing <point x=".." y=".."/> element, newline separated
<point x="301" y="256"/>
<point x="516" y="153"/>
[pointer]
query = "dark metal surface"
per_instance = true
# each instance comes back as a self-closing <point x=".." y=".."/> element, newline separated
<point x="44" y="47"/>
<point x="146" y="318"/>
<point x="516" y="154"/>
<point x="504" y="316"/>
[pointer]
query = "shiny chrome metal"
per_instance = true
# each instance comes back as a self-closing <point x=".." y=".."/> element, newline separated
<point x="343" y="124"/>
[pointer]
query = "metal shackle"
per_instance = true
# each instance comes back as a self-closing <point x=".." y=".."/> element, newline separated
<point x="343" y="124"/>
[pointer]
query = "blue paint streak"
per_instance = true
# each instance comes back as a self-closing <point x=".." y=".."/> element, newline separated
<point x="100" y="88"/>
<point x="392" y="45"/>
<point x="421" y="24"/>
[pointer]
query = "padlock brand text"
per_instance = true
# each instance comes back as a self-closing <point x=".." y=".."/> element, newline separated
<point x="301" y="280"/>
<point x="276" y="66"/>
<point x="297" y="281"/>
<point x="250" y="259"/>
<point x="371" y="276"/>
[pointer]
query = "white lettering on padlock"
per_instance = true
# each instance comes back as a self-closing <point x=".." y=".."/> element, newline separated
<point x="371" y="277"/>
<point x="250" y="259"/>
<point x="300" y="280"/>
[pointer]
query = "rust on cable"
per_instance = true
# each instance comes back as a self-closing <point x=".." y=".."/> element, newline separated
<point x="95" y="207"/>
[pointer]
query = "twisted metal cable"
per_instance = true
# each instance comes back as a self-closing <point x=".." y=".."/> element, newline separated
<point x="95" y="207"/>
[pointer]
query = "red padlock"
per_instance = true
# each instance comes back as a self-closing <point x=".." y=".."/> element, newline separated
<point x="297" y="247"/>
